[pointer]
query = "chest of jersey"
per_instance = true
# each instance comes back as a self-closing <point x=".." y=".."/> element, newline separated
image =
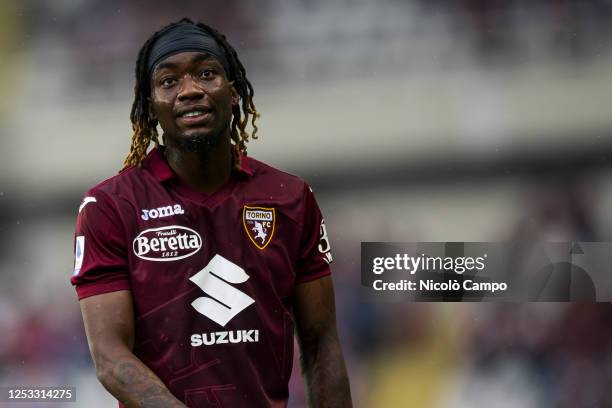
<point x="238" y="245"/>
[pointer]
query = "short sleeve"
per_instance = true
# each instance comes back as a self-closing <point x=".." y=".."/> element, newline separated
<point x="315" y="251"/>
<point x="100" y="252"/>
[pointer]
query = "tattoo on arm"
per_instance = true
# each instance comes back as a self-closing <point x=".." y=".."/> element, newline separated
<point x="135" y="385"/>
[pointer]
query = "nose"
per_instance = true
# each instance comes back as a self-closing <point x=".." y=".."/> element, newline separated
<point x="189" y="89"/>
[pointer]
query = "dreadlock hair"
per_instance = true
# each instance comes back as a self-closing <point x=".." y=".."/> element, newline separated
<point x="145" y="128"/>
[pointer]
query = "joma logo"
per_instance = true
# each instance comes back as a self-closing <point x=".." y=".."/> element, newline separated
<point x="161" y="212"/>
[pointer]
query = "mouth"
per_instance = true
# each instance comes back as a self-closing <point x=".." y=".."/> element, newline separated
<point x="194" y="115"/>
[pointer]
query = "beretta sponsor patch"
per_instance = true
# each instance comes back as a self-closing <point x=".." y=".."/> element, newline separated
<point x="168" y="243"/>
<point x="259" y="224"/>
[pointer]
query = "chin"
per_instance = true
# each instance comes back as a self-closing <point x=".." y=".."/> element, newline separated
<point x="196" y="133"/>
<point x="199" y="141"/>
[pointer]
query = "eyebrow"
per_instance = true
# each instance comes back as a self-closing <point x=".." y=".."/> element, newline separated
<point x="196" y="58"/>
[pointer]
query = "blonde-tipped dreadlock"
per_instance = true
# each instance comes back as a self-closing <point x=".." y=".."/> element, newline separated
<point x="145" y="128"/>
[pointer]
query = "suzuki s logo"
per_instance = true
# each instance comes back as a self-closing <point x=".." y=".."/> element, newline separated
<point x="224" y="301"/>
<point x="167" y="243"/>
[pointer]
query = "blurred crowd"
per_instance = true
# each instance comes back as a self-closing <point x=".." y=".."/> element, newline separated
<point x="570" y="29"/>
<point x="338" y="39"/>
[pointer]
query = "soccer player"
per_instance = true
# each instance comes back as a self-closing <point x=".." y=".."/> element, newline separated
<point x="195" y="264"/>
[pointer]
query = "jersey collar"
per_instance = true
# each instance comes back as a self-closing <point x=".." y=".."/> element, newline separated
<point x="161" y="170"/>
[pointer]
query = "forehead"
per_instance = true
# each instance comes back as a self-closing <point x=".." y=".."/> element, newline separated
<point x="185" y="59"/>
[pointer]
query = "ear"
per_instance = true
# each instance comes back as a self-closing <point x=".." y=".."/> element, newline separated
<point x="235" y="95"/>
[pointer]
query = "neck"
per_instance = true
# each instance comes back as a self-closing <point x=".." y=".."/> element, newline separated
<point x="205" y="173"/>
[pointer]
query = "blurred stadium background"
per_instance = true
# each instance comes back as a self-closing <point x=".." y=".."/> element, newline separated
<point x="430" y="120"/>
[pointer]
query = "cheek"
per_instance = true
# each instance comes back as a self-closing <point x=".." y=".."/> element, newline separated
<point x="162" y="108"/>
<point x="225" y="100"/>
<point x="161" y="98"/>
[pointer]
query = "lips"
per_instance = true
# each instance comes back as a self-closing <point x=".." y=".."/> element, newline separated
<point x="194" y="115"/>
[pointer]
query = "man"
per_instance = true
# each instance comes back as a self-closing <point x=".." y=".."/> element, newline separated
<point x="194" y="263"/>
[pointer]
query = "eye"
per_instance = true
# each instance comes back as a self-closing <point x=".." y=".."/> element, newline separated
<point x="167" y="82"/>
<point x="207" y="74"/>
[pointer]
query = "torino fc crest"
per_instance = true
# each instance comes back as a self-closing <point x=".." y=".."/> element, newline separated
<point x="259" y="224"/>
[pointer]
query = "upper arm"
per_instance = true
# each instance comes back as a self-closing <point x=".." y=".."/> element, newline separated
<point x="321" y="354"/>
<point x="101" y="254"/>
<point x="315" y="311"/>
<point x="109" y="324"/>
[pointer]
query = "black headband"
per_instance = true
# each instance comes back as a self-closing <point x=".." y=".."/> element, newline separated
<point x="181" y="38"/>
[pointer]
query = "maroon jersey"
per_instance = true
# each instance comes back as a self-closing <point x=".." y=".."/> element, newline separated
<point x="212" y="276"/>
